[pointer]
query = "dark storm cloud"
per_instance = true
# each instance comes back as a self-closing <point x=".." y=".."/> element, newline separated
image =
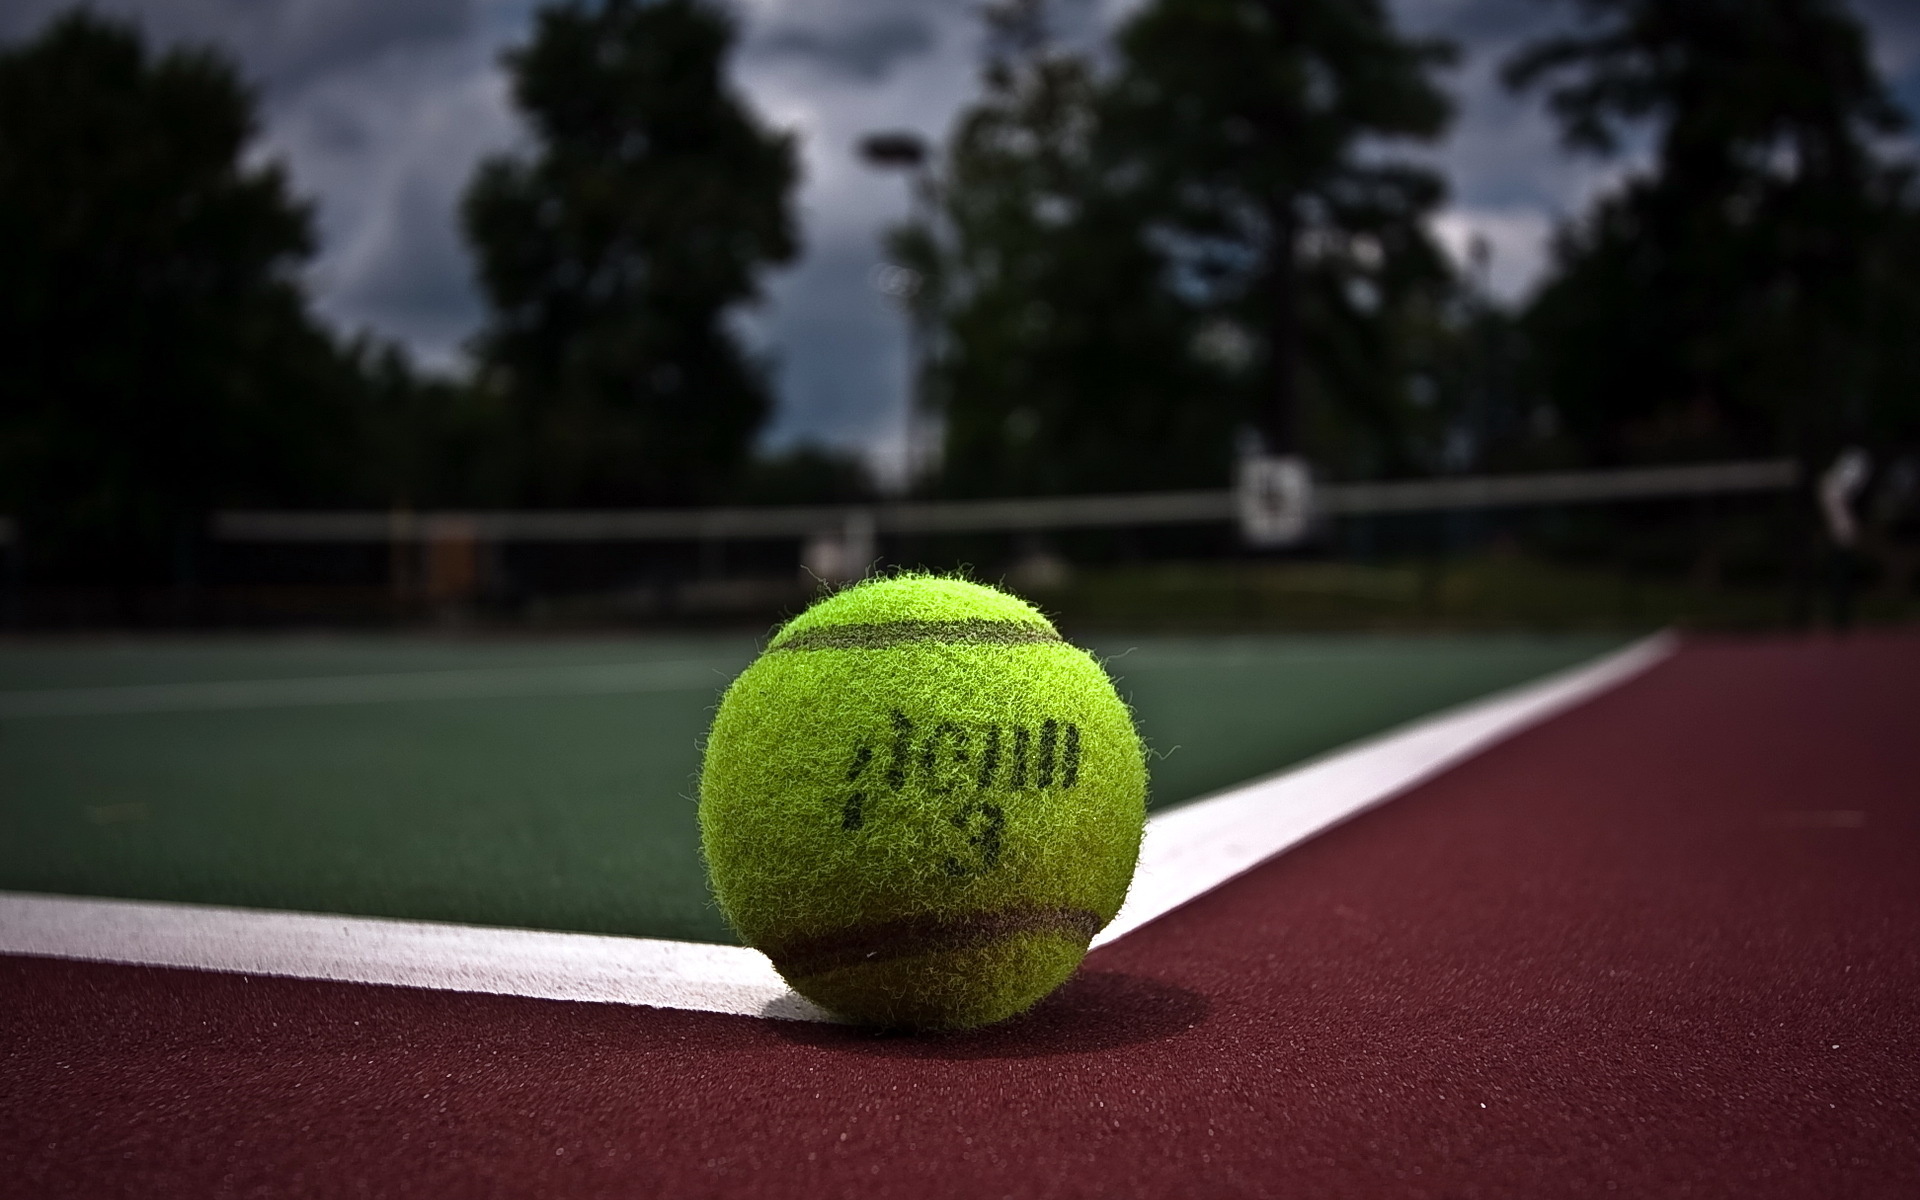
<point x="866" y="51"/>
<point x="415" y="278"/>
<point x="333" y="128"/>
<point x="1896" y="25"/>
<point x="1490" y="30"/>
<point x="1896" y="46"/>
<point x="1480" y="23"/>
<point x="382" y="108"/>
<point x="283" y="44"/>
<point x="1485" y="33"/>
<point x="839" y="360"/>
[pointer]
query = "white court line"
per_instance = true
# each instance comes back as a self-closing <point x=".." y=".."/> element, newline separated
<point x="1188" y="851"/>
<point x="590" y="679"/>
<point x="427" y="954"/>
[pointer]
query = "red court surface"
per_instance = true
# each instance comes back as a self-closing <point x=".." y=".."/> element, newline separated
<point x="1666" y="944"/>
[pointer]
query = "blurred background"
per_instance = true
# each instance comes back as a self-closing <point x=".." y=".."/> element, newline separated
<point x="1174" y="314"/>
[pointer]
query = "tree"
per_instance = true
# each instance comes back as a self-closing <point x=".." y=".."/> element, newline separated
<point x="1245" y="123"/>
<point x="159" y="356"/>
<point x="612" y="256"/>
<point x="1719" y="302"/>
<point x="1060" y="361"/>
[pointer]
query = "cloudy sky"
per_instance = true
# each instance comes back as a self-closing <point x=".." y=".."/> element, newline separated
<point x="381" y="108"/>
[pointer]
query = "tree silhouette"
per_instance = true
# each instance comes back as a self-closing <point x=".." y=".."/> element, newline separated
<point x="1719" y="301"/>
<point x="159" y="357"/>
<point x="1131" y="266"/>
<point x="1247" y="119"/>
<point x="1060" y="362"/>
<point x="613" y="254"/>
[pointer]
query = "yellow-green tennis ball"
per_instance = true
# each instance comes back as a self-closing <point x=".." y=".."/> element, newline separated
<point x="921" y="803"/>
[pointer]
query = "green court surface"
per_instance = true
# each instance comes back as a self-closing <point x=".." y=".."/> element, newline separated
<point x="546" y="784"/>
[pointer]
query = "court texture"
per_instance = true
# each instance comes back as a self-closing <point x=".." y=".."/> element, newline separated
<point x="1421" y="916"/>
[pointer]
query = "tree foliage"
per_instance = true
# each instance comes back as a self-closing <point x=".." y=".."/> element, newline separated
<point x="1725" y="299"/>
<point x="1130" y="268"/>
<point x="1254" y="127"/>
<point x="612" y="255"/>
<point x="1058" y="360"/>
<point x="160" y="359"/>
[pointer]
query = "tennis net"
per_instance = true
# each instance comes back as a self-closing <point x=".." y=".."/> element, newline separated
<point x="1133" y="510"/>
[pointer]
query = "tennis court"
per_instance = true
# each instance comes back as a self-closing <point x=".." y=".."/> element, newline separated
<point x="547" y="784"/>
<point x="497" y="700"/>
<point x="1494" y="916"/>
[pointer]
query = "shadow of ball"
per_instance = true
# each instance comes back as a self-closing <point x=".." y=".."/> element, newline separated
<point x="1093" y="1011"/>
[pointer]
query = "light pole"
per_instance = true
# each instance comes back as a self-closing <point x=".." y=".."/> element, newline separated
<point x="906" y="151"/>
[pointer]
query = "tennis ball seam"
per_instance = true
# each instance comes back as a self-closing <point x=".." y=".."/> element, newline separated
<point x="883" y="635"/>
<point x="926" y="933"/>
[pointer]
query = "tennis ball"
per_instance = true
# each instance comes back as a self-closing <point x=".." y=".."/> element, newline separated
<point x="921" y="803"/>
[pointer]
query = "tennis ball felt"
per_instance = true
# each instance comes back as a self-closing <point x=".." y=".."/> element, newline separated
<point x="921" y="803"/>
